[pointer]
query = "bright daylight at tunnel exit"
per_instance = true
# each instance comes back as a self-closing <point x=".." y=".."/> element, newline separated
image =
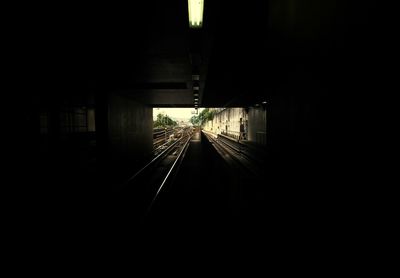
<point x="230" y="122"/>
<point x="191" y="142"/>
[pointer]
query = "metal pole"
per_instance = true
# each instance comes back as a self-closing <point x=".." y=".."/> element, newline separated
<point x="165" y="129"/>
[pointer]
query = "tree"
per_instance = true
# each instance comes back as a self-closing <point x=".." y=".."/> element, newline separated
<point x="164" y="121"/>
<point x="195" y="120"/>
<point x="204" y="116"/>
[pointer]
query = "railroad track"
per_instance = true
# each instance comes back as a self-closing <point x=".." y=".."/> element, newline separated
<point x="163" y="138"/>
<point x="237" y="154"/>
<point x="144" y="187"/>
<point x="160" y="138"/>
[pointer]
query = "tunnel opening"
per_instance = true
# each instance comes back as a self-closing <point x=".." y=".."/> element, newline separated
<point x="238" y="123"/>
<point x="212" y="154"/>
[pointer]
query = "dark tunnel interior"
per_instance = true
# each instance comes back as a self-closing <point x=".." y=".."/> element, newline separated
<point x="93" y="74"/>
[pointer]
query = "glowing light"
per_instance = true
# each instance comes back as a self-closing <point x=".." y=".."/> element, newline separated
<point x="195" y="13"/>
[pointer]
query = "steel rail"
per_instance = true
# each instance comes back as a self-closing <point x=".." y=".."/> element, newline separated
<point x="235" y="154"/>
<point x="178" y="158"/>
<point x="148" y="165"/>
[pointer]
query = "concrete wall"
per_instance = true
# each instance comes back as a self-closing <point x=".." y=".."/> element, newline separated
<point x="130" y="129"/>
<point x="227" y="121"/>
<point x="257" y="127"/>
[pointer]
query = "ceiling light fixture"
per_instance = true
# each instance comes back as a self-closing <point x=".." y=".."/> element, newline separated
<point x="195" y="13"/>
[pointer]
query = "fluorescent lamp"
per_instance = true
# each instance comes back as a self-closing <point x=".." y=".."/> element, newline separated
<point x="195" y="13"/>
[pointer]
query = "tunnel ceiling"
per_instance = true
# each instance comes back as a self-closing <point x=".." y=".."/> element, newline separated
<point x="145" y="50"/>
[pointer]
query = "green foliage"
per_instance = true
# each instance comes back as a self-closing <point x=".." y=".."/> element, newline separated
<point x="195" y="120"/>
<point x="204" y="116"/>
<point x="164" y="121"/>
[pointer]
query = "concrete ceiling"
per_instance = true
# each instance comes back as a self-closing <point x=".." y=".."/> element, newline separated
<point x="146" y="50"/>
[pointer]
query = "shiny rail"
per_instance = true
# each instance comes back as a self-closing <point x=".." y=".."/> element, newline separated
<point x="236" y="154"/>
<point x="174" y="168"/>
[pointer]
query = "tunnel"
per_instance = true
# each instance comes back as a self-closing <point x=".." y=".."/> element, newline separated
<point x="95" y="74"/>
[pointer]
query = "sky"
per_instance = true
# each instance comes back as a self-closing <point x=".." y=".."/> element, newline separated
<point x="176" y="113"/>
